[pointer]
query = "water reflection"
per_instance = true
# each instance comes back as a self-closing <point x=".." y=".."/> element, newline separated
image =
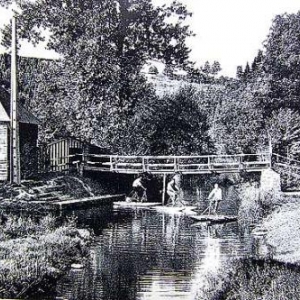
<point x="142" y="254"/>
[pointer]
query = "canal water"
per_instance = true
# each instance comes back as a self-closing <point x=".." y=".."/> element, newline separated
<point x="144" y="254"/>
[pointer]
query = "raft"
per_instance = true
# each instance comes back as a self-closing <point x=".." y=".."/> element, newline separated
<point x="135" y="204"/>
<point x="214" y="218"/>
<point x="184" y="210"/>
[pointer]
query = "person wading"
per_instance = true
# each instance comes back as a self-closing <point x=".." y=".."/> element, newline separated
<point x="174" y="189"/>
<point x="215" y="197"/>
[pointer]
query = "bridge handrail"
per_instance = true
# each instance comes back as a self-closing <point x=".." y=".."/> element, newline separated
<point x="172" y="163"/>
<point x="287" y="158"/>
<point x="174" y="156"/>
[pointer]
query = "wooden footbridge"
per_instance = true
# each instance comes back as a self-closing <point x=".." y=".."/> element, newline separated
<point x="66" y="154"/>
<point x="164" y="165"/>
<point x="204" y="164"/>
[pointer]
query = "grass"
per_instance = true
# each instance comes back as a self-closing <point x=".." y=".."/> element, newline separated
<point x="250" y="279"/>
<point x="283" y="232"/>
<point x="79" y="187"/>
<point x="33" y="254"/>
<point x="250" y="209"/>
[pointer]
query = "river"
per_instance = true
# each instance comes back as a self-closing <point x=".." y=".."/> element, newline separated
<point x="144" y="254"/>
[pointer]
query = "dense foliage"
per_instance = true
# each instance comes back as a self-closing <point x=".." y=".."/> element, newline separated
<point x="95" y="86"/>
<point x="96" y="91"/>
<point x="34" y="254"/>
<point x="262" y="105"/>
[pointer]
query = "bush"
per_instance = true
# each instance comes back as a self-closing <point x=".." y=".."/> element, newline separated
<point x="35" y="252"/>
<point x="256" y="279"/>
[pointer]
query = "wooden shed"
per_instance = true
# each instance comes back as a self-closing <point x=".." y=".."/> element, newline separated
<point x="68" y="153"/>
<point x="28" y="132"/>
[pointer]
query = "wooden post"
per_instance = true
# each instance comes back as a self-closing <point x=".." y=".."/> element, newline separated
<point x="240" y="163"/>
<point x="15" y="172"/>
<point x="164" y="189"/>
<point x="270" y="150"/>
<point x="111" y="163"/>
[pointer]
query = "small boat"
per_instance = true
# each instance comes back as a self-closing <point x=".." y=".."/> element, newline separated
<point x="135" y="204"/>
<point x="184" y="210"/>
<point x="214" y="218"/>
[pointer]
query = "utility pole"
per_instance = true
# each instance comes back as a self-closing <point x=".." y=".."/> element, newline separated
<point x="15" y="174"/>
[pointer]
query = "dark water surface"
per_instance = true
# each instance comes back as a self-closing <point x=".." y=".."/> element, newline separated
<point x="143" y="254"/>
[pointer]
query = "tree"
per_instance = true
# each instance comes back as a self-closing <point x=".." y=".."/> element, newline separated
<point x="257" y="62"/>
<point x="247" y="71"/>
<point x="169" y="70"/>
<point x="175" y="124"/>
<point x="103" y="44"/>
<point x="284" y="130"/>
<point x="206" y="69"/>
<point x="239" y="72"/>
<point x="215" y="68"/>
<point x="281" y="61"/>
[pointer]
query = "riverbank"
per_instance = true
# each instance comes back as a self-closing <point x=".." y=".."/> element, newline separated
<point x="35" y="253"/>
<point x="282" y="232"/>
<point x="273" y="269"/>
<point x="36" y="196"/>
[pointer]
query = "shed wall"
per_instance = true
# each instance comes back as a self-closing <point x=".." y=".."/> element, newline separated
<point x="63" y="153"/>
<point x="3" y="151"/>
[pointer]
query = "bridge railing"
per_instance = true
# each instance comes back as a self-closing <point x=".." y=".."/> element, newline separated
<point x="185" y="164"/>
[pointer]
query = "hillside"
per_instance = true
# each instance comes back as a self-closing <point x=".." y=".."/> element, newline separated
<point x="163" y="84"/>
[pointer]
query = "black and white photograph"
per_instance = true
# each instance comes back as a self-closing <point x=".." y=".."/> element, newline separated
<point x="150" y="149"/>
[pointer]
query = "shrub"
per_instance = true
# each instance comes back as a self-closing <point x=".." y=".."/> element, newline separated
<point x="33" y="253"/>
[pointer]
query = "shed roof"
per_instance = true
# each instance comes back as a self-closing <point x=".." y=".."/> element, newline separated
<point x="24" y="115"/>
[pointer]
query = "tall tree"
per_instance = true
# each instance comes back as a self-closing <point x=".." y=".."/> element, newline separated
<point x="175" y="124"/>
<point x="206" y="68"/>
<point x="215" y="68"/>
<point x="103" y="45"/>
<point x="239" y="72"/>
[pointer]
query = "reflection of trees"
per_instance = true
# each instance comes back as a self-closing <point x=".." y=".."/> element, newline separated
<point x="146" y="254"/>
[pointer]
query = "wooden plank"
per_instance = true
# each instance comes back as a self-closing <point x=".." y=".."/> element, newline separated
<point x="98" y="200"/>
<point x="127" y="164"/>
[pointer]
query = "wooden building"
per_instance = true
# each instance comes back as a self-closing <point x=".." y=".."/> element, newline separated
<point x="68" y="153"/>
<point x="28" y="132"/>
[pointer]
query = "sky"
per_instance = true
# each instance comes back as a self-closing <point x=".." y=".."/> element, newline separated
<point x="229" y="31"/>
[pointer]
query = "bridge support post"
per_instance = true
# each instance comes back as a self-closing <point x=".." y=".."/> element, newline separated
<point x="164" y="189"/>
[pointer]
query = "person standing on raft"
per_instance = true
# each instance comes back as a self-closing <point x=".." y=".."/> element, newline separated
<point x="215" y="197"/>
<point x="174" y="189"/>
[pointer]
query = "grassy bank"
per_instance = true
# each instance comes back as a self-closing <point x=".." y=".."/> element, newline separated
<point x="34" y="253"/>
<point x="276" y="217"/>
<point x="282" y="232"/>
<point x="250" y="279"/>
